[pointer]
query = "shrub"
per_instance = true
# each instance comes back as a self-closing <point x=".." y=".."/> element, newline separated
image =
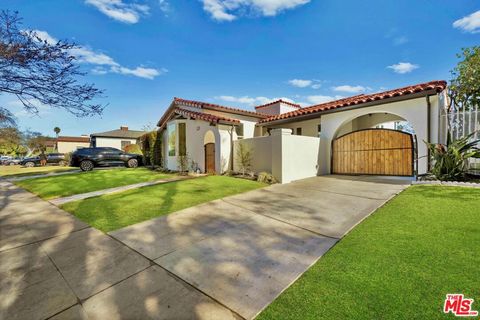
<point x="133" y="148"/>
<point x="266" y="177"/>
<point x="449" y="162"/>
<point x="151" y="147"/>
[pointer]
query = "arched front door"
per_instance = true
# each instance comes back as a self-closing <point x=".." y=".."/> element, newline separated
<point x="210" y="158"/>
<point x="375" y="152"/>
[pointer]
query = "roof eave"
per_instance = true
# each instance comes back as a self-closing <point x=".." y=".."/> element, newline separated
<point x="160" y="122"/>
<point x="239" y="112"/>
<point x="356" y="106"/>
<point x="113" y="137"/>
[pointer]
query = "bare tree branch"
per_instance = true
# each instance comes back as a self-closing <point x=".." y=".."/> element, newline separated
<point x="40" y="72"/>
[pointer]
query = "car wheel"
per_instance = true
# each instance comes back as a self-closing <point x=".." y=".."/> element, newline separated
<point x="11" y="163"/>
<point x="62" y="163"/>
<point x="132" y="163"/>
<point x="86" y="165"/>
<point x="30" y="164"/>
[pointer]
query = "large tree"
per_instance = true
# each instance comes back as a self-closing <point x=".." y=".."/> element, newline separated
<point x="465" y="84"/>
<point x="37" y="71"/>
<point x="11" y="142"/>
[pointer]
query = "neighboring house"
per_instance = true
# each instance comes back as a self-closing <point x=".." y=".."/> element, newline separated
<point x="116" y="138"/>
<point x="69" y="144"/>
<point x="343" y="136"/>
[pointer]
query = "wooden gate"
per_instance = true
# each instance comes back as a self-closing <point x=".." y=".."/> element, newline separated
<point x="375" y="152"/>
<point x="210" y="158"/>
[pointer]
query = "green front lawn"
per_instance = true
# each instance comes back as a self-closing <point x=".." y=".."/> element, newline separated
<point x="114" y="211"/>
<point x="82" y="182"/>
<point x="19" y="171"/>
<point x="397" y="264"/>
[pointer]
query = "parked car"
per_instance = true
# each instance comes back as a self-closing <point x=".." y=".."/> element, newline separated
<point x="12" y="161"/>
<point x="4" y="158"/>
<point x="52" y="158"/>
<point x="88" y="158"/>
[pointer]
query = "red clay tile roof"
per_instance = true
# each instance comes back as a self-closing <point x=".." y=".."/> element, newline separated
<point x="203" y="116"/>
<point x="277" y="101"/>
<point x="205" y="105"/>
<point x="438" y="86"/>
<point x="73" y="139"/>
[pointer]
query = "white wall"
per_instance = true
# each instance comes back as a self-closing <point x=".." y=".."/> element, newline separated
<point x="66" y="147"/>
<point x="287" y="157"/>
<point x="300" y="157"/>
<point x="248" y="122"/>
<point x="309" y="127"/>
<point x="112" y="142"/>
<point x="261" y="148"/>
<point x="195" y="135"/>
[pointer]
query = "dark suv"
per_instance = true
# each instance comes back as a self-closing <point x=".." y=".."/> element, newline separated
<point x="52" y="158"/>
<point x="88" y="158"/>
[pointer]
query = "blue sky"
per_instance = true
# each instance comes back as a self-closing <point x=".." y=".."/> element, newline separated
<point x="243" y="52"/>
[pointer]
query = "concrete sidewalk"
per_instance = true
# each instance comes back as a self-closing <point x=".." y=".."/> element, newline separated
<point x="244" y="250"/>
<point x="54" y="266"/>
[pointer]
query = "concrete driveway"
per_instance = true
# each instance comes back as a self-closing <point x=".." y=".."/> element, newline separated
<point x="244" y="250"/>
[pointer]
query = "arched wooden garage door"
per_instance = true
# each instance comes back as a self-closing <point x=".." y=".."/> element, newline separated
<point x="375" y="152"/>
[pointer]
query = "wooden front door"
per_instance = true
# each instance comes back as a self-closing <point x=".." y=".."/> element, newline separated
<point x="375" y="152"/>
<point x="210" y="158"/>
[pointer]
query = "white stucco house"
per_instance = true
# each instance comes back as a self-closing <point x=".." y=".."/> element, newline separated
<point x="119" y="138"/>
<point x="378" y="134"/>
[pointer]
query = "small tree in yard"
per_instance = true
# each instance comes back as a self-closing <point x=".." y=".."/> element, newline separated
<point x="244" y="158"/>
<point x="38" y="143"/>
<point x="182" y="163"/>
<point x="40" y="72"/>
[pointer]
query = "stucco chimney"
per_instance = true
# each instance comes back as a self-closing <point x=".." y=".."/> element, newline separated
<point x="124" y="128"/>
<point x="277" y="107"/>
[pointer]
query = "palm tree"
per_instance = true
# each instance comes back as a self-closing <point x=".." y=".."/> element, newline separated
<point x="57" y="130"/>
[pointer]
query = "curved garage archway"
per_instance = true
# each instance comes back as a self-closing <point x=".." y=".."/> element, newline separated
<point x="372" y="144"/>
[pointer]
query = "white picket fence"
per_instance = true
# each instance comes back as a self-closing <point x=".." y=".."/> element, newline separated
<point x="462" y="122"/>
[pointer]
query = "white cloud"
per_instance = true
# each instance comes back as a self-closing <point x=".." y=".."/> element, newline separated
<point x="120" y="10"/>
<point x="44" y="36"/>
<point x="251" y="101"/>
<point x="87" y="55"/>
<point x="19" y="111"/>
<point x="318" y="99"/>
<point x="350" y="89"/>
<point x="304" y="83"/>
<point x="300" y="83"/>
<point x="164" y="6"/>
<point x="147" y="73"/>
<point x="103" y="63"/>
<point x="228" y="10"/>
<point x="403" y="67"/>
<point x="470" y="23"/>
